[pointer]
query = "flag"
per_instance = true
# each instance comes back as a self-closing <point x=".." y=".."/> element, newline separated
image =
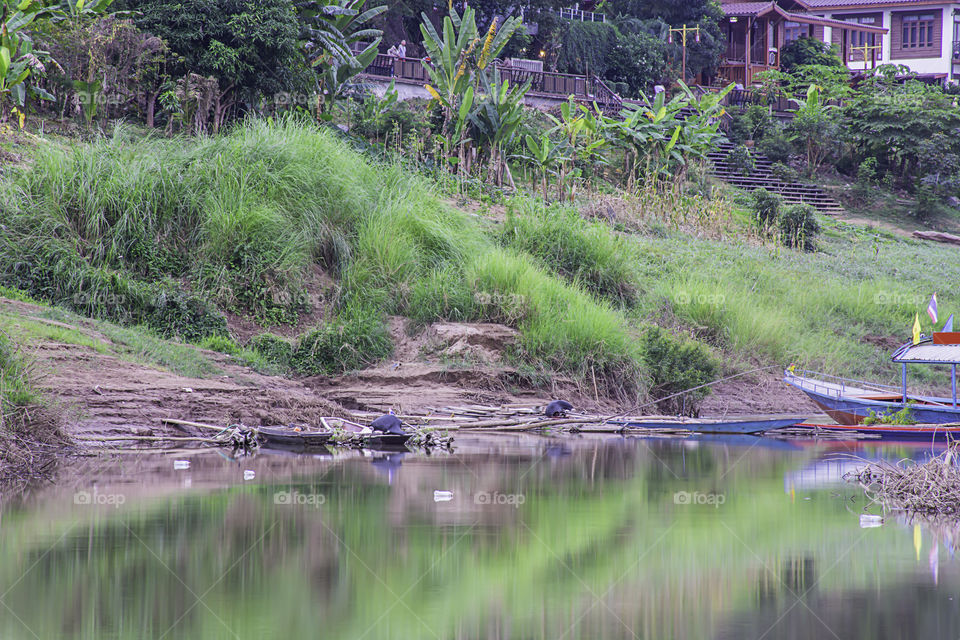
<point x="932" y="308"/>
<point x="948" y="325"/>
<point x="916" y="329"/>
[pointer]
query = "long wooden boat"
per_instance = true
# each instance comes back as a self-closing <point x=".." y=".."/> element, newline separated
<point x="730" y="425"/>
<point x="850" y="402"/>
<point x="289" y="437"/>
<point x="926" y="432"/>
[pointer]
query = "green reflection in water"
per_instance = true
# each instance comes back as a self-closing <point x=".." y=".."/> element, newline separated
<point x="599" y="548"/>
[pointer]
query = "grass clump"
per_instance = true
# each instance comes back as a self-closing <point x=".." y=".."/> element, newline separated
<point x="675" y="365"/>
<point x="588" y="253"/>
<point x="16" y="393"/>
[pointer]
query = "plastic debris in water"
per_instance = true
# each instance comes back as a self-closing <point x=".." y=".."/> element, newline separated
<point x="442" y="496"/>
<point x="868" y="521"/>
<point x="249" y="474"/>
<point x="181" y="464"/>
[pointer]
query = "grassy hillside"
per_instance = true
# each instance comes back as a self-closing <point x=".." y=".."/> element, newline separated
<point x="172" y="234"/>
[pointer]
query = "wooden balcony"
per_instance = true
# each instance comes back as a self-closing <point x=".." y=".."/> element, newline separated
<point x="542" y="83"/>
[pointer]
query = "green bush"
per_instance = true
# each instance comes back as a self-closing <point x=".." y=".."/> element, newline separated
<point x="275" y="350"/>
<point x="809" y="51"/>
<point x="799" y="226"/>
<point x="740" y="160"/>
<point x="784" y="172"/>
<point x="675" y="364"/>
<point x="356" y="338"/>
<point x="222" y="344"/>
<point x="775" y="144"/>
<point x="766" y="207"/>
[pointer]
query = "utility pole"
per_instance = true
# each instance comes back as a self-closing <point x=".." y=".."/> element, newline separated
<point x="683" y="31"/>
<point x="867" y="48"/>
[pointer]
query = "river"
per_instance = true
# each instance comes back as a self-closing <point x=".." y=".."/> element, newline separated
<point x="517" y="536"/>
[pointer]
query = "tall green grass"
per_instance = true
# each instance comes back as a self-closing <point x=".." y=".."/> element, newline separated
<point x="171" y="233"/>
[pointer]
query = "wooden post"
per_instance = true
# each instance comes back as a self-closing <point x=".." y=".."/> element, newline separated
<point x="903" y="378"/>
<point x="953" y="371"/>
<point x="746" y="55"/>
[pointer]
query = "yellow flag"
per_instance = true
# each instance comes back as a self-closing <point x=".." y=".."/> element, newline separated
<point x="916" y="329"/>
<point x="917" y="540"/>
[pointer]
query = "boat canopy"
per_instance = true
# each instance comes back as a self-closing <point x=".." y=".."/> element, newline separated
<point x="928" y="352"/>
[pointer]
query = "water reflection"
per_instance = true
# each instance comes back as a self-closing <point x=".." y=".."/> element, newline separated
<point x="535" y="538"/>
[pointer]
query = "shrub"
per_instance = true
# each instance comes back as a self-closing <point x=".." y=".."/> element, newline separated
<point x="784" y="172"/>
<point x="767" y="207"/>
<point x="776" y="144"/>
<point x="274" y="349"/>
<point x="356" y="338"/>
<point x="221" y="344"/>
<point x="809" y="51"/>
<point x="866" y="177"/>
<point x="799" y="227"/>
<point x="675" y="364"/>
<point x="740" y="160"/>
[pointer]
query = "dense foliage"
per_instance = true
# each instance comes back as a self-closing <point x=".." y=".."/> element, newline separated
<point x="809" y="51"/>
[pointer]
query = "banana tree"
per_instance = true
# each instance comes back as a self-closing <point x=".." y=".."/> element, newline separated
<point x="331" y="29"/>
<point x="497" y="118"/>
<point x="546" y="156"/>
<point x="16" y="49"/>
<point x="453" y="60"/>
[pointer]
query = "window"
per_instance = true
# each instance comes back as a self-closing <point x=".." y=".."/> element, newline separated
<point x="794" y="31"/>
<point x="860" y="39"/>
<point x="918" y="31"/>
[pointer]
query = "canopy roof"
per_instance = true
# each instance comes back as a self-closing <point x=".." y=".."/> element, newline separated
<point x="928" y="353"/>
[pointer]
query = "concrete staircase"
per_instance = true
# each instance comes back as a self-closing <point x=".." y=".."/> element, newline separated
<point x="761" y="176"/>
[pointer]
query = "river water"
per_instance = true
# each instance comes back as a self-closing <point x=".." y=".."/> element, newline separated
<point x="516" y="536"/>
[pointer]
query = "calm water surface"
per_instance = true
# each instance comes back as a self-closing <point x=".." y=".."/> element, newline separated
<point x="514" y="537"/>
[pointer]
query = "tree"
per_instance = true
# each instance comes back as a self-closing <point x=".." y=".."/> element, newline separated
<point x="805" y="51"/>
<point x="251" y="47"/>
<point x="813" y="127"/>
<point x="703" y="56"/>
<point x="640" y="61"/>
<point x="455" y="58"/>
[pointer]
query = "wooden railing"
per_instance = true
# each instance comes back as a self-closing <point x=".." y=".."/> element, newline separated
<point x="559" y="85"/>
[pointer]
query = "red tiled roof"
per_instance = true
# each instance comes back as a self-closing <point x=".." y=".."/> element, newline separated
<point x="746" y="8"/>
<point x="837" y="4"/>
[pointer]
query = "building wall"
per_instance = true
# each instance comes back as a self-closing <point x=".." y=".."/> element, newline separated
<point x="941" y="64"/>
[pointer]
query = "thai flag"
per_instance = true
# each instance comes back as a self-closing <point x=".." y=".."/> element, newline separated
<point x="932" y="308"/>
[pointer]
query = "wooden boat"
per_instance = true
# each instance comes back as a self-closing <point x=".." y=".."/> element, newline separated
<point x="894" y="431"/>
<point x="730" y="425"/>
<point x="850" y="402"/>
<point x="289" y="437"/>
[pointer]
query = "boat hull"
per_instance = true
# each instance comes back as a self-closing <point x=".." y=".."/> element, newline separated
<point x="745" y="425"/>
<point x="894" y="431"/>
<point x="291" y="438"/>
